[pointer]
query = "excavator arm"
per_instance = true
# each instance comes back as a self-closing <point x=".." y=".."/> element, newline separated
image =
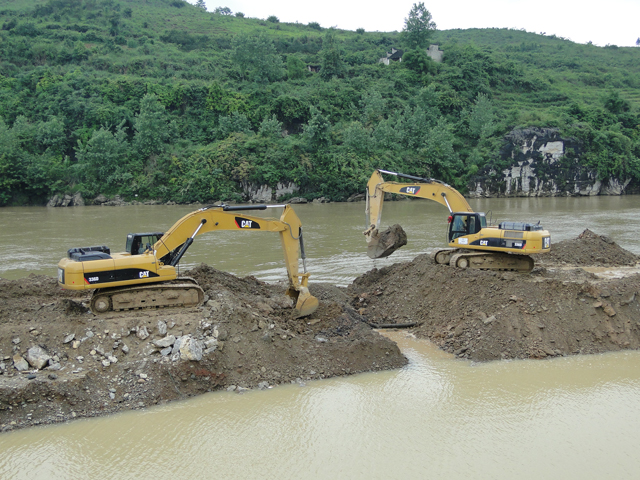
<point x="429" y="188"/>
<point x="174" y="243"/>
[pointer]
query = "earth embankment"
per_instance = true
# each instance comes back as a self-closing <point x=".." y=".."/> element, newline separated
<point x="59" y="361"/>
<point x="580" y="298"/>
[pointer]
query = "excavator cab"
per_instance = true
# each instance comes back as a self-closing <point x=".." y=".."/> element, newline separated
<point x="138" y="243"/>
<point x="465" y="223"/>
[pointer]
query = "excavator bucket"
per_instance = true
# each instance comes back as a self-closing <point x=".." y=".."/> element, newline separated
<point x="306" y="303"/>
<point x="385" y="243"/>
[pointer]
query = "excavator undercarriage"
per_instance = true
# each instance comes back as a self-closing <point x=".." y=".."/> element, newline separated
<point x="482" y="260"/>
<point x="183" y="292"/>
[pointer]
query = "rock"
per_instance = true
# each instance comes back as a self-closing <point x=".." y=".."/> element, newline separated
<point x="608" y="309"/>
<point x="106" y="363"/>
<point x="75" y="344"/>
<point x="263" y="385"/>
<point x="356" y="197"/>
<point x="69" y="338"/>
<point x="297" y="200"/>
<point x="77" y="200"/>
<point x="210" y="345"/>
<point x="167" y="341"/>
<point x="165" y="352"/>
<point x="52" y="376"/>
<point x="125" y="349"/>
<point x="66" y="201"/>
<point x="54" y="366"/>
<point x="176" y="345"/>
<point x="162" y="328"/>
<point x="54" y="201"/>
<point x="142" y="333"/>
<point x="20" y="363"/>
<point x="100" y="350"/>
<point x="37" y="357"/>
<point x="489" y="320"/>
<point x="191" y="349"/>
<point x="16" y="341"/>
<point x="100" y="199"/>
<point x="112" y="359"/>
<point x="383" y="244"/>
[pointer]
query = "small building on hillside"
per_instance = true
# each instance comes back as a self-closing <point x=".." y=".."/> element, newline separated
<point x="435" y="53"/>
<point x="314" y="68"/>
<point x="394" y="56"/>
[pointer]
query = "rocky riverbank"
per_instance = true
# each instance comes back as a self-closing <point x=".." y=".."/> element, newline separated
<point x="59" y="361"/>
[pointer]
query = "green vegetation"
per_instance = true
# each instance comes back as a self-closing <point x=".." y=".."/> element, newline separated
<point x="165" y="100"/>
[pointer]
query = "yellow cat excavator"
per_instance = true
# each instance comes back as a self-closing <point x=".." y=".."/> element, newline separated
<point x="145" y="274"/>
<point x="473" y="244"/>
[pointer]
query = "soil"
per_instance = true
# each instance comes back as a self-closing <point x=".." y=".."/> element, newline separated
<point x="557" y="309"/>
<point x="246" y="334"/>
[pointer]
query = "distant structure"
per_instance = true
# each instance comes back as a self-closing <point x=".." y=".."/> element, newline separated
<point x="394" y="56"/>
<point x="435" y="53"/>
<point x="313" y="68"/>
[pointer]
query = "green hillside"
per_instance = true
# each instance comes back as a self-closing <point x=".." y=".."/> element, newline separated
<point x="164" y="100"/>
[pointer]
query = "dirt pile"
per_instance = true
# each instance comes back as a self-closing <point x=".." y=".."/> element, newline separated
<point x="558" y="309"/>
<point x="59" y="361"/>
<point x="588" y="249"/>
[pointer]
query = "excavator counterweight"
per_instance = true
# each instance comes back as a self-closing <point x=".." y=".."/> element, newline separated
<point x="145" y="275"/>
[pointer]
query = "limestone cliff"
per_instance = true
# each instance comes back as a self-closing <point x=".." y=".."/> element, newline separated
<point x="542" y="163"/>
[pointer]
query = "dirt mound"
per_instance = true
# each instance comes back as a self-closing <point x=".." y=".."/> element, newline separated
<point x="588" y="249"/>
<point x="244" y="336"/>
<point x="484" y="315"/>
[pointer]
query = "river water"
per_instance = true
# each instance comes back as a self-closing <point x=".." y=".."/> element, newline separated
<point x="572" y="417"/>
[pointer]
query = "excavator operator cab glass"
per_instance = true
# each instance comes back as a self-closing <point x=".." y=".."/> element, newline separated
<point x="138" y="243"/>
<point x="466" y="224"/>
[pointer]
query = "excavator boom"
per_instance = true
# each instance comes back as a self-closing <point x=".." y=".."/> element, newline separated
<point x="125" y="278"/>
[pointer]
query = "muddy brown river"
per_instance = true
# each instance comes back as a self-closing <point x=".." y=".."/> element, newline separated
<point x="439" y="417"/>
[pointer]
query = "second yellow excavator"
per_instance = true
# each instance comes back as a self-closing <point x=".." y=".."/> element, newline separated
<point x="473" y="243"/>
<point x="145" y="274"/>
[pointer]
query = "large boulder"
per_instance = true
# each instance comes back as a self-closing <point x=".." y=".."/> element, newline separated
<point x="37" y="357"/>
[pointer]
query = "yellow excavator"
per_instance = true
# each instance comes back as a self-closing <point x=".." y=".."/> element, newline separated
<point x="473" y="243"/>
<point x="145" y="274"/>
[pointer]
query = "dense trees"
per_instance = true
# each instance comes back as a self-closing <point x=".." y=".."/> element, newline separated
<point x="98" y="96"/>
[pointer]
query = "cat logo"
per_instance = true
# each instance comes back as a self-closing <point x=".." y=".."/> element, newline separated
<point x="410" y="190"/>
<point x="144" y="274"/>
<point x="484" y="243"/>
<point x="246" y="223"/>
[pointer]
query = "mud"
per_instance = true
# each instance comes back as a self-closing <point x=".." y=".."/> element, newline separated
<point x="244" y="336"/>
<point x="558" y="309"/>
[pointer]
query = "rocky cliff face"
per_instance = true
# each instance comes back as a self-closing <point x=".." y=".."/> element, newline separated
<point x="264" y="193"/>
<point x="544" y="164"/>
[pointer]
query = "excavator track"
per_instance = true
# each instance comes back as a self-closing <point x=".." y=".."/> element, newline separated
<point x="183" y="292"/>
<point x="492" y="261"/>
